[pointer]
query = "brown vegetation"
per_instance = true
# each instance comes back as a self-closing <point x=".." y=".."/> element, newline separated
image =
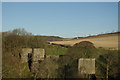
<point x="12" y="44"/>
<point x="84" y="49"/>
<point x="107" y="41"/>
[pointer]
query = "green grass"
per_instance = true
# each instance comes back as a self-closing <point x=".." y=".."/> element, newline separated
<point x="101" y="51"/>
<point x="55" y="50"/>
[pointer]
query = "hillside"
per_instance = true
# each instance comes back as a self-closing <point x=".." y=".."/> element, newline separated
<point x="47" y="38"/>
<point x="52" y="38"/>
<point x="107" y="41"/>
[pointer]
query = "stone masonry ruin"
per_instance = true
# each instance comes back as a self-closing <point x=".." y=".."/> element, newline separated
<point x="33" y="56"/>
<point x="86" y="66"/>
<point x="25" y="53"/>
<point x="36" y="53"/>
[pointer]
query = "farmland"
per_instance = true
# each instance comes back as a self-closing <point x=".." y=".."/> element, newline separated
<point x="107" y="41"/>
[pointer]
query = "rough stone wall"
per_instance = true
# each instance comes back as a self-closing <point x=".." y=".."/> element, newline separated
<point x="86" y="65"/>
<point x="38" y="54"/>
<point x="24" y="54"/>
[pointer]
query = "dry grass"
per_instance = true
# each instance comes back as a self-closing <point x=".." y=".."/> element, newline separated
<point x="108" y="41"/>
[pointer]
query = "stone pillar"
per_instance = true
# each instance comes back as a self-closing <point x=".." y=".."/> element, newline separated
<point x="38" y="54"/>
<point x="24" y="54"/>
<point x="86" y="66"/>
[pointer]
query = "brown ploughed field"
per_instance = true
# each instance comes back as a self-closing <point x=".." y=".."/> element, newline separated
<point x="107" y="41"/>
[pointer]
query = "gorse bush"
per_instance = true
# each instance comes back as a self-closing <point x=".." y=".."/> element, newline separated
<point x="109" y="59"/>
<point x="12" y="44"/>
<point x="84" y="49"/>
<point x="47" y="69"/>
<point x="84" y="44"/>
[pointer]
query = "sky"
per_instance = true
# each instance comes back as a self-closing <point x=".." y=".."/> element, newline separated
<point x="60" y="0"/>
<point x="64" y="19"/>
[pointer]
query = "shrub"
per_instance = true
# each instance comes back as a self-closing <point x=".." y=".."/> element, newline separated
<point x="84" y="44"/>
<point x="84" y="49"/>
<point x="47" y="68"/>
<point x="12" y="44"/>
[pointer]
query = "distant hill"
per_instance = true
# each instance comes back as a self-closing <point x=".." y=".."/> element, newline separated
<point x="108" y="41"/>
<point x="47" y="38"/>
<point x="52" y="38"/>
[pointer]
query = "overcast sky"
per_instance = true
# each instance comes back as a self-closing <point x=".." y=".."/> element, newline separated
<point x="65" y="19"/>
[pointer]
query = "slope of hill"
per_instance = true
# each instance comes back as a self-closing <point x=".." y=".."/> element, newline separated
<point x="52" y="38"/>
<point x="107" y="41"/>
<point x="47" y="38"/>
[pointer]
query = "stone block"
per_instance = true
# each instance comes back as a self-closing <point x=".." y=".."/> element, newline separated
<point x="86" y="65"/>
<point x="24" y="54"/>
<point x="39" y="54"/>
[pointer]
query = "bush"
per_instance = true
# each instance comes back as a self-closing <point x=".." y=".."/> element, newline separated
<point x="110" y="60"/>
<point x="12" y="44"/>
<point x="84" y="44"/>
<point x="47" y="68"/>
<point x="69" y="62"/>
<point x="84" y="49"/>
<point x="12" y="68"/>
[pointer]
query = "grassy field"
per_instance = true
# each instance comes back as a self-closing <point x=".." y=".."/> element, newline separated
<point x="55" y="50"/>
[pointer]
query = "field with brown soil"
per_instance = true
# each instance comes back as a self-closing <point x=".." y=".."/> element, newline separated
<point x="107" y="41"/>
